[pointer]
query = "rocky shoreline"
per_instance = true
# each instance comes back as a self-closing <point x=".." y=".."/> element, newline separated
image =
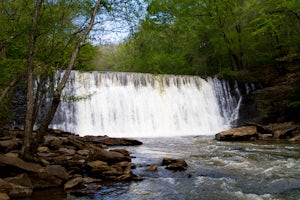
<point x="288" y="131"/>
<point x="81" y="165"/>
<point x="78" y="165"/>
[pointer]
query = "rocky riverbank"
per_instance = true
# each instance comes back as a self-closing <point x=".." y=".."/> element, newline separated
<point x="78" y="165"/>
<point x="289" y="131"/>
<point x="73" y="163"/>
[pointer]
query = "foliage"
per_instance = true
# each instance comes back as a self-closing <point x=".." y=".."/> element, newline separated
<point x="208" y="37"/>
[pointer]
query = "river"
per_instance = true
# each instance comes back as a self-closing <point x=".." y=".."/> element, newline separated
<point x="216" y="170"/>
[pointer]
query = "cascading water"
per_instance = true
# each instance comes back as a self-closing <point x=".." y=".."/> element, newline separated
<point x="144" y="105"/>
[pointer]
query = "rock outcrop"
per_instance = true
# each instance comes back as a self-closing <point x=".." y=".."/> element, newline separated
<point x="288" y="131"/>
<point x="62" y="160"/>
<point x="174" y="164"/>
<point x="240" y="134"/>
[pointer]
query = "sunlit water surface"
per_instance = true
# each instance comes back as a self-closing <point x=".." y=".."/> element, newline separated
<point x="217" y="170"/>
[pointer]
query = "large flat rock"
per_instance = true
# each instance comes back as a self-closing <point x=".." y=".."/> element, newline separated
<point x="245" y="133"/>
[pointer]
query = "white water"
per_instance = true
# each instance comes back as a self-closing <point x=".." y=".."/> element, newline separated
<point x="144" y="105"/>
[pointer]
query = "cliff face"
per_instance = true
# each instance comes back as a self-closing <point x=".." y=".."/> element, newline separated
<point x="274" y="103"/>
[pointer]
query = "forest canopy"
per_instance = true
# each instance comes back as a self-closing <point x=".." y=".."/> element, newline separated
<point x="209" y="37"/>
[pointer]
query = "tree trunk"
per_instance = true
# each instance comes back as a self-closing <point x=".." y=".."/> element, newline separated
<point x="58" y="91"/>
<point x="26" y="154"/>
<point x="7" y="88"/>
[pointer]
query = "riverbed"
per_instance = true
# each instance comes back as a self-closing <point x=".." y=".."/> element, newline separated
<point x="216" y="170"/>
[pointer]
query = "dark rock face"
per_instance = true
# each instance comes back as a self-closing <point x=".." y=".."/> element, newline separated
<point x="272" y="104"/>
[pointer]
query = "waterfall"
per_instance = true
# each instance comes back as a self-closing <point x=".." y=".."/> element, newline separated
<point x="145" y="105"/>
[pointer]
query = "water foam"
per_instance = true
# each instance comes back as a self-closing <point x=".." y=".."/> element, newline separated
<point x="145" y="105"/>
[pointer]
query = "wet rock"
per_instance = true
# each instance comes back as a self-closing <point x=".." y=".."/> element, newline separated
<point x="174" y="164"/>
<point x="122" y="151"/>
<point x="73" y="182"/>
<point x="245" y="133"/>
<point x="110" y="157"/>
<point x="112" y="141"/>
<point x="14" y="190"/>
<point x="119" y="171"/>
<point x="152" y="168"/>
<point x="88" y="190"/>
<point x="44" y="180"/>
<point x="58" y="171"/>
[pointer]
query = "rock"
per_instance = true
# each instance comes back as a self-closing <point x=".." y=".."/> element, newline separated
<point x="56" y="144"/>
<point x="112" y="141"/>
<point x="108" y="156"/>
<point x="67" y="151"/>
<point x="44" y="180"/>
<point x="8" y="145"/>
<point x="97" y="164"/>
<point x="174" y="164"/>
<point x="21" y="179"/>
<point x="12" y="155"/>
<point x="58" y="171"/>
<point x="296" y="138"/>
<point x="122" y="151"/>
<point x="152" y="168"/>
<point x="73" y="182"/>
<point x="18" y="163"/>
<point x="4" y="196"/>
<point x="13" y="190"/>
<point x="43" y="150"/>
<point x="97" y="168"/>
<point x="83" y="152"/>
<point x="91" y="180"/>
<point x="245" y="133"/>
<point x="119" y="171"/>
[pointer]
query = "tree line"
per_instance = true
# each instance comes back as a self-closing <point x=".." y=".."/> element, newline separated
<point x="208" y="37"/>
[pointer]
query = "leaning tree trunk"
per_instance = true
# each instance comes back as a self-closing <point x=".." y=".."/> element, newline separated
<point x="58" y="91"/>
<point x="26" y="154"/>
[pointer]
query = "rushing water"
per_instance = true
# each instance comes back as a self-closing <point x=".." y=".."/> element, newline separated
<point x="216" y="170"/>
<point x="150" y="106"/>
<point x="136" y="104"/>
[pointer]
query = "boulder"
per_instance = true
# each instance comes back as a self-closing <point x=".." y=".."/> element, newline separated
<point x="152" y="168"/>
<point x="43" y="149"/>
<point x="14" y="190"/>
<point x="21" y="164"/>
<point x="21" y="179"/>
<point x="44" y="180"/>
<point x="112" y="141"/>
<point x="58" y="171"/>
<point x="119" y="171"/>
<point x="245" y="133"/>
<point x="67" y="151"/>
<point x="8" y="145"/>
<point x="174" y="164"/>
<point x="83" y="152"/>
<point x="4" y="196"/>
<point x="73" y="182"/>
<point x="110" y="157"/>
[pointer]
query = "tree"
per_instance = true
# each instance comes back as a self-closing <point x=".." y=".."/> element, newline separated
<point x="214" y="36"/>
<point x="30" y="145"/>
